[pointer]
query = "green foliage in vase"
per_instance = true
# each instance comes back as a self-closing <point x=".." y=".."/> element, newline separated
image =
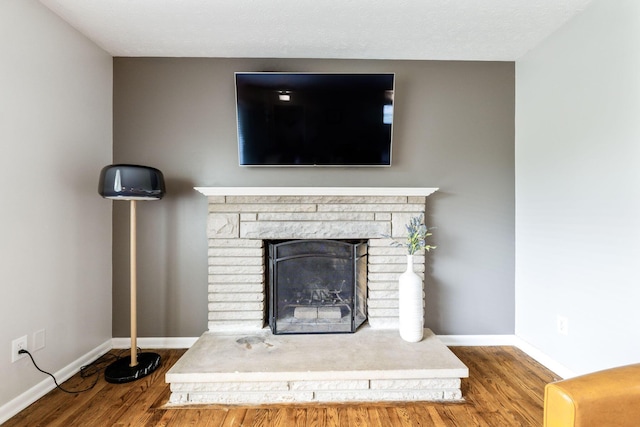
<point x="417" y="233"/>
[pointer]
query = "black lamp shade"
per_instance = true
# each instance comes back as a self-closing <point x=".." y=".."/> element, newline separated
<point x="131" y="182"/>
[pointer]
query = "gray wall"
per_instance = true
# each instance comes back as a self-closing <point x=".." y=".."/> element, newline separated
<point x="454" y="129"/>
<point x="55" y="249"/>
<point x="578" y="182"/>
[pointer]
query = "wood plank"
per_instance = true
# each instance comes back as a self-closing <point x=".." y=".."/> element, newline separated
<point x="358" y="416"/>
<point x="505" y="387"/>
<point x="234" y="417"/>
<point x="315" y="417"/>
<point x="376" y="419"/>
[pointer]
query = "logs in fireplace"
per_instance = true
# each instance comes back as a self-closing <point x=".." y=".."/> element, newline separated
<point x="316" y="286"/>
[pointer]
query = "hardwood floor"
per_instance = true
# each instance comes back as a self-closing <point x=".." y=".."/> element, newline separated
<point x="505" y="388"/>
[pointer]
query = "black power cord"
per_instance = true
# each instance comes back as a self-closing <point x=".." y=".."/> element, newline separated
<point x="86" y="371"/>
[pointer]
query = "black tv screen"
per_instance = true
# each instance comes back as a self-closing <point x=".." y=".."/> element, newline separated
<point x="314" y="119"/>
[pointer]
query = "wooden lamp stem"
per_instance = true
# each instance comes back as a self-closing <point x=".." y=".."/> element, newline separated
<point x="133" y="284"/>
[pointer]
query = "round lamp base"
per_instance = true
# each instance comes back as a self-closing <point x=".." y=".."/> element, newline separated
<point x="120" y="371"/>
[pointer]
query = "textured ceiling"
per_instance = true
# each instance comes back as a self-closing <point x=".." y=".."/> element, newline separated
<point x="491" y="30"/>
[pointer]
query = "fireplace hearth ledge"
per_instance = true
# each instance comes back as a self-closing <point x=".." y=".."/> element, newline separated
<point x="261" y="368"/>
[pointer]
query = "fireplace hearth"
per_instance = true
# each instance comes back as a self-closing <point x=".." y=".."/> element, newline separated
<point x="316" y="286"/>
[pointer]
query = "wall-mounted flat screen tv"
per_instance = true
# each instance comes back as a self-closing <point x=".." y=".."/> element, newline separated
<point x="314" y="119"/>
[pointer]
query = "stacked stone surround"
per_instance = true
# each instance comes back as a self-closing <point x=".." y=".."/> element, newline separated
<point x="241" y="219"/>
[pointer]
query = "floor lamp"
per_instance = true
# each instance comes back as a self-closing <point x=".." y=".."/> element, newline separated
<point x="132" y="183"/>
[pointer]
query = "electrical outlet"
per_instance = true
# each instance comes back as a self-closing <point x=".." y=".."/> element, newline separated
<point x="17" y="345"/>
<point x="563" y="325"/>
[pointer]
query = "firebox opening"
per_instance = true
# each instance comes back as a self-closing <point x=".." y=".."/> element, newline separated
<point x="316" y="286"/>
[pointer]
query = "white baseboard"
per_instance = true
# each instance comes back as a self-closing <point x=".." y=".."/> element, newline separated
<point x="153" y="342"/>
<point x="19" y="403"/>
<point x="546" y="361"/>
<point x="477" y="340"/>
<point x="513" y="340"/>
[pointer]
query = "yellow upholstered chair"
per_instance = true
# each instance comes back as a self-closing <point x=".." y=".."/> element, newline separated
<point x="599" y="399"/>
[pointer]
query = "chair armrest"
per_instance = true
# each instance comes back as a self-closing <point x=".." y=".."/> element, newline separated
<point x="604" y="398"/>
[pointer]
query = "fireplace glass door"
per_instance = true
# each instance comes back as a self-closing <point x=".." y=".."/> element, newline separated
<point x="317" y="286"/>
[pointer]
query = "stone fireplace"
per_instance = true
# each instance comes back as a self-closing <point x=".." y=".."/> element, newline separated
<point x="240" y="220"/>
<point x="240" y="361"/>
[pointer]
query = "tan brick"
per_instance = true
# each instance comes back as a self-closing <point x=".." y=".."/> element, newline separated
<point x="389" y="277"/>
<point x="236" y="261"/>
<point x="419" y="384"/>
<point x="248" y="217"/>
<point x="235" y="325"/>
<point x="223" y="225"/>
<point x="236" y="306"/>
<point x="380" y="396"/>
<point x="236" y="269"/>
<point x="380" y="242"/>
<point x="383" y="286"/>
<point x="382" y="216"/>
<point x="330" y="385"/>
<point x="235" y="243"/>
<point x="216" y="199"/>
<point x="236" y="278"/>
<point x="382" y="312"/>
<point x="399" y="223"/>
<point x="369" y="207"/>
<point x="236" y="287"/>
<point x="235" y="315"/>
<point x="235" y="297"/>
<point x="235" y="252"/>
<point x="387" y="250"/>
<point x="231" y="386"/>
<point x="396" y="259"/>
<point x="418" y="200"/>
<point x="383" y="322"/>
<point x="256" y="208"/>
<point x="382" y="303"/>
<point x="312" y="230"/>
<point x="250" y="398"/>
<point x="383" y="294"/>
<point x="316" y="216"/>
<point x="394" y="268"/>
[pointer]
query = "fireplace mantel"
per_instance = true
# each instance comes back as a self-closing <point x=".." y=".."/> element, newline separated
<point x="316" y="191"/>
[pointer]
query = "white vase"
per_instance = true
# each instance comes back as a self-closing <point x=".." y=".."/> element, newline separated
<point x="411" y="300"/>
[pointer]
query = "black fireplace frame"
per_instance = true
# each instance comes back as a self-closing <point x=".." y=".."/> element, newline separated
<point x="354" y="250"/>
